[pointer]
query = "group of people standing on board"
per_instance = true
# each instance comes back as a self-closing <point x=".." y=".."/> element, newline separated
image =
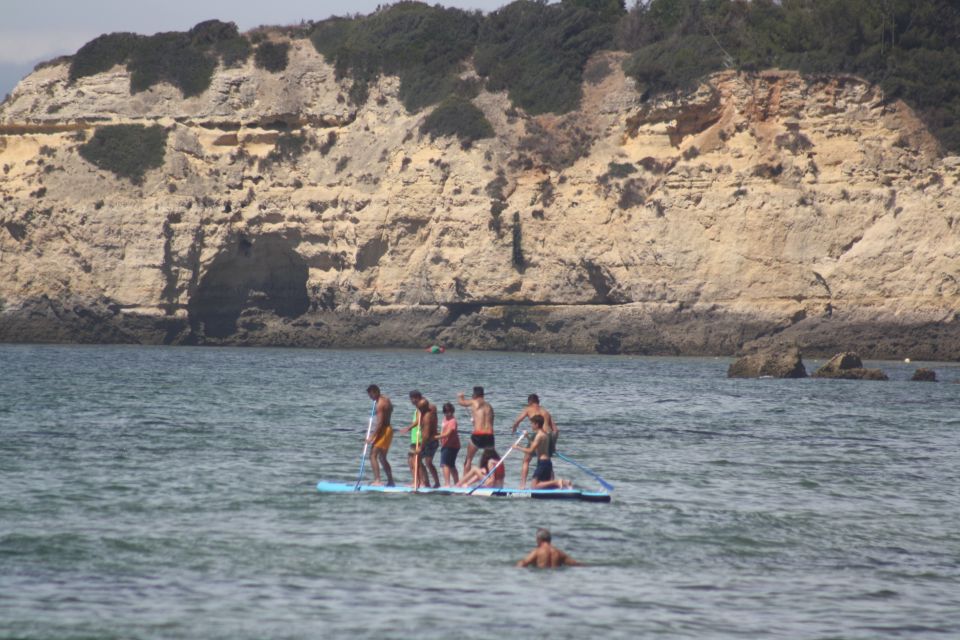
<point x="428" y="434"/>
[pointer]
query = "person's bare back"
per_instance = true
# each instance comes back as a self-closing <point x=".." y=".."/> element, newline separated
<point x="547" y="556"/>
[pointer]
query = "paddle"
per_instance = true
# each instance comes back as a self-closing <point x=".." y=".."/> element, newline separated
<point x="606" y="485"/>
<point x="366" y="445"/>
<point x="499" y="462"/>
<point x="416" y="456"/>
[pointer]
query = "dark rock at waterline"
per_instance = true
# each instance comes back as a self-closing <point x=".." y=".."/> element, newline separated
<point x="775" y="364"/>
<point x="924" y="375"/>
<point x="841" y="362"/>
<point x="848" y="366"/>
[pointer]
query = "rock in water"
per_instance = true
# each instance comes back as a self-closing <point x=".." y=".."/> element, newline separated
<point x="848" y="366"/>
<point x="924" y="375"/>
<point x="776" y="364"/>
<point x="842" y="361"/>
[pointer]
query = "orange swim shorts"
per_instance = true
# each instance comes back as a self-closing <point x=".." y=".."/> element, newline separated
<point x="383" y="442"/>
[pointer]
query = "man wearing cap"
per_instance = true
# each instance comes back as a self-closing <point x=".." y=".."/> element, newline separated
<point x="482" y="436"/>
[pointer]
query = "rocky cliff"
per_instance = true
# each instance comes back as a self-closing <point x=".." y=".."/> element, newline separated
<point x="759" y="208"/>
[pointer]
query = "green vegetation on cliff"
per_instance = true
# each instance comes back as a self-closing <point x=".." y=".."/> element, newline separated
<point x="908" y="47"/>
<point x="537" y="51"/>
<point x="457" y="116"/>
<point x="272" y="56"/>
<point x="425" y="46"/>
<point x="128" y="150"/>
<point x="186" y="60"/>
<point x="534" y="50"/>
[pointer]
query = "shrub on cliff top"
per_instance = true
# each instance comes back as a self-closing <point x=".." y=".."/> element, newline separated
<point x="168" y="57"/>
<point x="537" y="51"/>
<point x="272" y="56"/>
<point x="458" y="117"/>
<point x="102" y="54"/>
<point x="186" y="60"/>
<point x="423" y="45"/>
<point x="233" y="52"/>
<point x="127" y="150"/>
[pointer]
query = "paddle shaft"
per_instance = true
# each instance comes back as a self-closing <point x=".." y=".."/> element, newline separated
<point x="366" y="444"/>
<point x="496" y="466"/>
<point x="416" y="455"/>
<point x="606" y="485"/>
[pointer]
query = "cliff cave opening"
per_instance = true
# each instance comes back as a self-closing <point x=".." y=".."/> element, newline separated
<point x="262" y="273"/>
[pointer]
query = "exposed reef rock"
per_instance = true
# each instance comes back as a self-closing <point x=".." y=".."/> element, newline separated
<point x="924" y="375"/>
<point x="773" y="364"/>
<point x="848" y="366"/>
<point x="758" y="211"/>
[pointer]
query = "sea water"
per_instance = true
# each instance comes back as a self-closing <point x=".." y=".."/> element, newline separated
<point x="170" y="493"/>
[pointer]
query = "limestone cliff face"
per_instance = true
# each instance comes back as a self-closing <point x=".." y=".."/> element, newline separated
<point x="758" y="208"/>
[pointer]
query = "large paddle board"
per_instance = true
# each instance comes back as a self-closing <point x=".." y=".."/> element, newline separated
<point x="487" y="492"/>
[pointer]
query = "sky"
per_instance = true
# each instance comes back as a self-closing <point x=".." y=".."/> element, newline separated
<point x="35" y="30"/>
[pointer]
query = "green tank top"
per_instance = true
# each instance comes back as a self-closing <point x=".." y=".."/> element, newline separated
<point x="415" y="432"/>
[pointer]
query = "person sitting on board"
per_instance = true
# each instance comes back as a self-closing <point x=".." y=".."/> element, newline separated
<point x="382" y="437"/>
<point x="533" y="408"/>
<point x="429" y="438"/>
<point x="418" y="474"/>
<point x="482" y="436"/>
<point x="449" y="446"/>
<point x="547" y="556"/>
<point x="488" y="461"/>
<point x="543" y="474"/>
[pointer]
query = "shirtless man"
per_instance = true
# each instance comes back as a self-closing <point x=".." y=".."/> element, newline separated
<point x="533" y="408"/>
<point x="382" y="436"/>
<point x="429" y="436"/>
<point x="547" y="556"/>
<point x="543" y="474"/>
<point x="482" y="436"/>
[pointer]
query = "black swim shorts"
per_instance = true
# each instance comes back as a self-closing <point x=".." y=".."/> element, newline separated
<point x="482" y="440"/>
<point x="544" y="471"/>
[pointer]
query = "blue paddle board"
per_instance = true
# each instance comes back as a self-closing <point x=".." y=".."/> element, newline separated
<point x="488" y="492"/>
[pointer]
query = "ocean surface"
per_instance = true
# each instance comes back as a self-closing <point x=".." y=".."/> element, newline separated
<point x="170" y="493"/>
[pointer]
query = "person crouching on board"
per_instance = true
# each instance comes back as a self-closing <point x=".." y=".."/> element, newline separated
<point x="543" y="474"/>
<point x="449" y="446"/>
<point x="488" y="461"/>
<point x="382" y="437"/>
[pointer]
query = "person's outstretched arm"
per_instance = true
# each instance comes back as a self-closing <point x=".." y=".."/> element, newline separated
<point x="567" y="561"/>
<point x="529" y="560"/>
